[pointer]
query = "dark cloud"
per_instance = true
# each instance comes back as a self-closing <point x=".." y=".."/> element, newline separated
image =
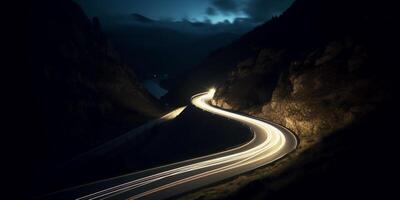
<point x="225" y="5"/>
<point x="263" y="10"/>
<point x="211" y="11"/>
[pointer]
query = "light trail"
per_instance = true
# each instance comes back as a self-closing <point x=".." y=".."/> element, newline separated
<point x="269" y="143"/>
<point x="173" y="114"/>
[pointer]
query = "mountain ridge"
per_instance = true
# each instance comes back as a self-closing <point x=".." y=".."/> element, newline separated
<point x="141" y="18"/>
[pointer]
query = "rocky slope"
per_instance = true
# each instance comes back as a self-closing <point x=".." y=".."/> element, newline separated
<point x="82" y="93"/>
<point x="311" y="69"/>
<point x="316" y="72"/>
<point x="327" y="89"/>
<point x="320" y="68"/>
<point x="304" y="27"/>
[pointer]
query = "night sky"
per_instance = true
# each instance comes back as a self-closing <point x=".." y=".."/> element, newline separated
<point x="213" y="11"/>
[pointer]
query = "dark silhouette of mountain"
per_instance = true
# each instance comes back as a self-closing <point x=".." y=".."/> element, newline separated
<point x="306" y="25"/>
<point x="325" y="69"/>
<point x="81" y="92"/>
<point x="154" y="49"/>
<point x="141" y="18"/>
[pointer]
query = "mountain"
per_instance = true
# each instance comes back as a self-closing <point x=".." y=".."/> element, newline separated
<point x="80" y="91"/>
<point x="141" y="18"/>
<point x="162" y="48"/>
<point x="306" y="25"/>
<point x="325" y="70"/>
<point x="313" y="70"/>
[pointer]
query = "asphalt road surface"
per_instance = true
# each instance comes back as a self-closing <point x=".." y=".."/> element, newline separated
<point x="269" y="143"/>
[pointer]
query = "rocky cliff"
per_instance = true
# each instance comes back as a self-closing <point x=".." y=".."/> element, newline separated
<point x="314" y="70"/>
<point x="325" y="70"/>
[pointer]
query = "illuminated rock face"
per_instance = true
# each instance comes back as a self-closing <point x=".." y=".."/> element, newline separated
<point x="312" y="97"/>
<point x="310" y="71"/>
<point x="330" y="78"/>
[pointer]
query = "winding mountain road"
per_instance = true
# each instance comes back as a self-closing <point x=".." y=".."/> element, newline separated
<point x="269" y="143"/>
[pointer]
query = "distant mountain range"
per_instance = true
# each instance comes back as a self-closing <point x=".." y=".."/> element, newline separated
<point x="167" y="47"/>
<point x="141" y="18"/>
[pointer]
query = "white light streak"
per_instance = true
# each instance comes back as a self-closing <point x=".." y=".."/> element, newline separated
<point x="270" y="142"/>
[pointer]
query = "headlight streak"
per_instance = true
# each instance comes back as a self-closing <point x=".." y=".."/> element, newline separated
<point x="166" y="173"/>
<point x="269" y="142"/>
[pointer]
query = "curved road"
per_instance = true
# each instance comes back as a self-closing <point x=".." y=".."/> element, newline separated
<point x="269" y="143"/>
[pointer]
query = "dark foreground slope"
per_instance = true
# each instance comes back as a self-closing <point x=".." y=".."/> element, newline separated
<point x="75" y="91"/>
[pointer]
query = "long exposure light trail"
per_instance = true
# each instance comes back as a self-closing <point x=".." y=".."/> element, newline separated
<point x="269" y="143"/>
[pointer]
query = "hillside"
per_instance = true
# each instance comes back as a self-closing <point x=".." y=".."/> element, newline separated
<point x="323" y="69"/>
<point x="306" y="26"/>
<point x="79" y="91"/>
<point x="314" y="71"/>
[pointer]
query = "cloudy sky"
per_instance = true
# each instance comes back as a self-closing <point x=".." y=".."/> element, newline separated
<point x="194" y="10"/>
